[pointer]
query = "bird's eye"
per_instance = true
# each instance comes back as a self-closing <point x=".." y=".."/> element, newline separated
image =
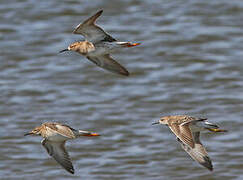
<point x="72" y="46"/>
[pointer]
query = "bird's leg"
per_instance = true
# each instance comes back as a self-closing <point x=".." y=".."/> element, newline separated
<point x="216" y="130"/>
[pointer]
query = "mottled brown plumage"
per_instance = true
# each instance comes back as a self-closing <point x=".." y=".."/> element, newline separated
<point x="82" y="47"/>
<point x="55" y="135"/>
<point x="187" y="130"/>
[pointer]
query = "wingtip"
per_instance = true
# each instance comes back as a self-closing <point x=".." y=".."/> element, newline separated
<point x="210" y="168"/>
<point x="71" y="171"/>
<point x="100" y="11"/>
<point x="87" y="22"/>
<point x="125" y="73"/>
<point x="98" y="14"/>
<point x="207" y="163"/>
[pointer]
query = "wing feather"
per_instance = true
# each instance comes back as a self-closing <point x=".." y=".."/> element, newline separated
<point x="193" y="119"/>
<point x="198" y="153"/>
<point x="91" y="31"/>
<point x="65" y="130"/>
<point x="183" y="132"/>
<point x="59" y="153"/>
<point x="106" y="62"/>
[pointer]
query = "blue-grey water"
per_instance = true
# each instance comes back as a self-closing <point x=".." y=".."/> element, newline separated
<point x="190" y="62"/>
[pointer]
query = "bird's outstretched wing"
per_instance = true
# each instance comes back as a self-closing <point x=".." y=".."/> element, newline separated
<point x="106" y="62"/>
<point x="198" y="153"/>
<point x="91" y="31"/>
<point x="59" y="153"/>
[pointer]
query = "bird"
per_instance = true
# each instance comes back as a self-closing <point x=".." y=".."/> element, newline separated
<point x="54" y="137"/>
<point x="98" y="45"/>
<point x="187" y="130"/>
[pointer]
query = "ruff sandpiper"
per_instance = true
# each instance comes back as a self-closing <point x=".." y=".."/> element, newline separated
<point x="98" y="45"/>
<point x="55" y="135"/>
<point x="187" y="130"/>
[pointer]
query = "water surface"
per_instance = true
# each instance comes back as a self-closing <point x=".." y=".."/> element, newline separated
<point x="189" y="62"/>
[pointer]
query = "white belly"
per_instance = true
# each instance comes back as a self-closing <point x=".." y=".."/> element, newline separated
<point x="56" y="137"/>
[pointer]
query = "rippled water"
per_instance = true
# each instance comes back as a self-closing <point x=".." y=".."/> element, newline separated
<point x="190" y="62"/>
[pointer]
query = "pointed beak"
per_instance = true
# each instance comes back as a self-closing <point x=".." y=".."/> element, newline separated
<point x="63" y="50"/>
<point x="29" y="133"/>
<point x="155" y="123"/>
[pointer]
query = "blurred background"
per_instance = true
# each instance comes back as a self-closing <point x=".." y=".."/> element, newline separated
<point x="189" y="62"/>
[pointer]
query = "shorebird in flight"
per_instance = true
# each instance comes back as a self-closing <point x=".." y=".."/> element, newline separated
<point x="55" y="135"/>
<point x="98" y="45"/>
<point x="187" y="130"/>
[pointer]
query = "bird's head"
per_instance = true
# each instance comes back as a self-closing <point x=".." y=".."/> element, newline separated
<point x="163" y="120"/>
<point x="82" y="47"/>
<point x="36" y="131"/>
